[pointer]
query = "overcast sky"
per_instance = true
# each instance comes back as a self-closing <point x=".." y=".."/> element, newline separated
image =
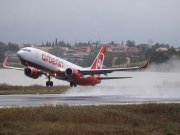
<point x="34" y="21"/>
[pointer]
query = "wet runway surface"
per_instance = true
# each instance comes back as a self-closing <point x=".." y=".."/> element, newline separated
<point x="143" y="87"/>
<point x="58" y="99"/>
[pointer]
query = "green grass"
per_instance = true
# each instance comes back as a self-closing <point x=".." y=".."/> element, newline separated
<point x="145" y="119"/>
<point x="6" y="89"/>
<point x="137" y="64"/>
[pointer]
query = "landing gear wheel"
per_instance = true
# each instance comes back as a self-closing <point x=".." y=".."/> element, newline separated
<point x="47" y="83"/>
<point x="71" y="83"/>
<point x="51" y="83"/>
<point x="75" y="84"/>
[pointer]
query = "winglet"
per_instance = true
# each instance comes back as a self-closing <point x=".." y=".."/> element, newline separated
<point x="5" y="61"/>
<point x="147" y="62"/>
<point x="5" y="65"/>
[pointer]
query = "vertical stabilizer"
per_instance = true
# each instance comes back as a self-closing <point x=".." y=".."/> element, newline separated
<point x="98" y="62"/>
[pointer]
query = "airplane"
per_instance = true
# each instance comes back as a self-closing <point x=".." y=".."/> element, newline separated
<point x="38" y="63"/>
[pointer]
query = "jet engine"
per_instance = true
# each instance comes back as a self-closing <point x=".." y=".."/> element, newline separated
<point x="32" y="72"/>
<point x="72" y="72"/>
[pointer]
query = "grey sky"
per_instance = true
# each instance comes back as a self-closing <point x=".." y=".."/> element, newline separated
<point x="34" y="21"/>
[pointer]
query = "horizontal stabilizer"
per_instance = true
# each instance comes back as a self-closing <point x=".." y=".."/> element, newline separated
<point x="106" y="78"/>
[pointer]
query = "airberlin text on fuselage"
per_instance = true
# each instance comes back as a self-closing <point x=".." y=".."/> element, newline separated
<point x="54" y="61"/>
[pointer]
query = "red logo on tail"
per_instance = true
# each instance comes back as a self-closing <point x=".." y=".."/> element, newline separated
<point x="98" y="62"/>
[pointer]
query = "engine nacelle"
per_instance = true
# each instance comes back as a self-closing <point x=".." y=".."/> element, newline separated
<point x="72" y="72"/>
<point x="32" y="72"/>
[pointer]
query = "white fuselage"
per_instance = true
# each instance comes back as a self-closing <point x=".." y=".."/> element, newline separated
<point x="44" y="59"/>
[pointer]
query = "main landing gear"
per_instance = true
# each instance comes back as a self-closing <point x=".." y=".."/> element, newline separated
<point x="49" y="83"/>
<point x="73" y="83"/>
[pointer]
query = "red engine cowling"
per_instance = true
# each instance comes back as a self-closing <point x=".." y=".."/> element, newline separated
<point x="72" y="72"/>
<point x="32" y="72"/>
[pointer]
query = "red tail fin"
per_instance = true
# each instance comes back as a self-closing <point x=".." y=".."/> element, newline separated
<point x="98" y="62"/>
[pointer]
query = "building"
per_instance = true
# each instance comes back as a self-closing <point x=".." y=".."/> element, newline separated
<point x="162" y="49"/>
<point x="108" y="46"/>
<point x="122" y="48"/>
<point x="84" y="49"/>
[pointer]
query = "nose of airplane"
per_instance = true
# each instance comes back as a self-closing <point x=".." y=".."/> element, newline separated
<point x="19" y="53"/>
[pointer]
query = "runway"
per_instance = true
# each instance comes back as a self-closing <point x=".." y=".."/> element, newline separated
<point x="58" y="99"/>
<point x="144" y="87"/>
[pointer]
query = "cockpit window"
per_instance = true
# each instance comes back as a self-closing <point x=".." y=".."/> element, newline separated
<point x="26" y="50"/>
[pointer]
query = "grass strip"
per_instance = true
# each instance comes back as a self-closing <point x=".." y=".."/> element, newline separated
<point x="147" y="119"/>
<point x="6" y="89"/>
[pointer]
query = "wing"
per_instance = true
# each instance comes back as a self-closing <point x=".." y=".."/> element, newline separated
<point x="106" y="78"/>
<point x="92" y="72"/>
<point x="16" y="68"/>
<point x="5" y="65"/>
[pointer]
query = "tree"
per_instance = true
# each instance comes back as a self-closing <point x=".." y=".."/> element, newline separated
<point x="157" y="45"/>
<point x="172" y="51"/>
<point x="108" y="61"/>
<point x="159" y="57"/>
<point x="149" y="52"/>
<point x="1" y="53"/>
<point x="57" y="51"/>
<point x="97" y="43"/>
<point x="3" y="48"/>
<point x="62" y="44"/>
<point x="120" y="60"/>
<point x="88" y="59"/>
<point x="42" y="43"/>
<point x="47" y="43"/>
<point x="130" y="43"/>
<point x="2" y="44"/>
<point x="75" y="44"/>
<point x="56" y="42"/>
<point x="112" y="43"/>
<point x="68" y="45"/>
<point x="80" y="44"/>
<point x="143" y="47"/>
<point x="12" y="47"/>
<point x="53" y="44"/>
